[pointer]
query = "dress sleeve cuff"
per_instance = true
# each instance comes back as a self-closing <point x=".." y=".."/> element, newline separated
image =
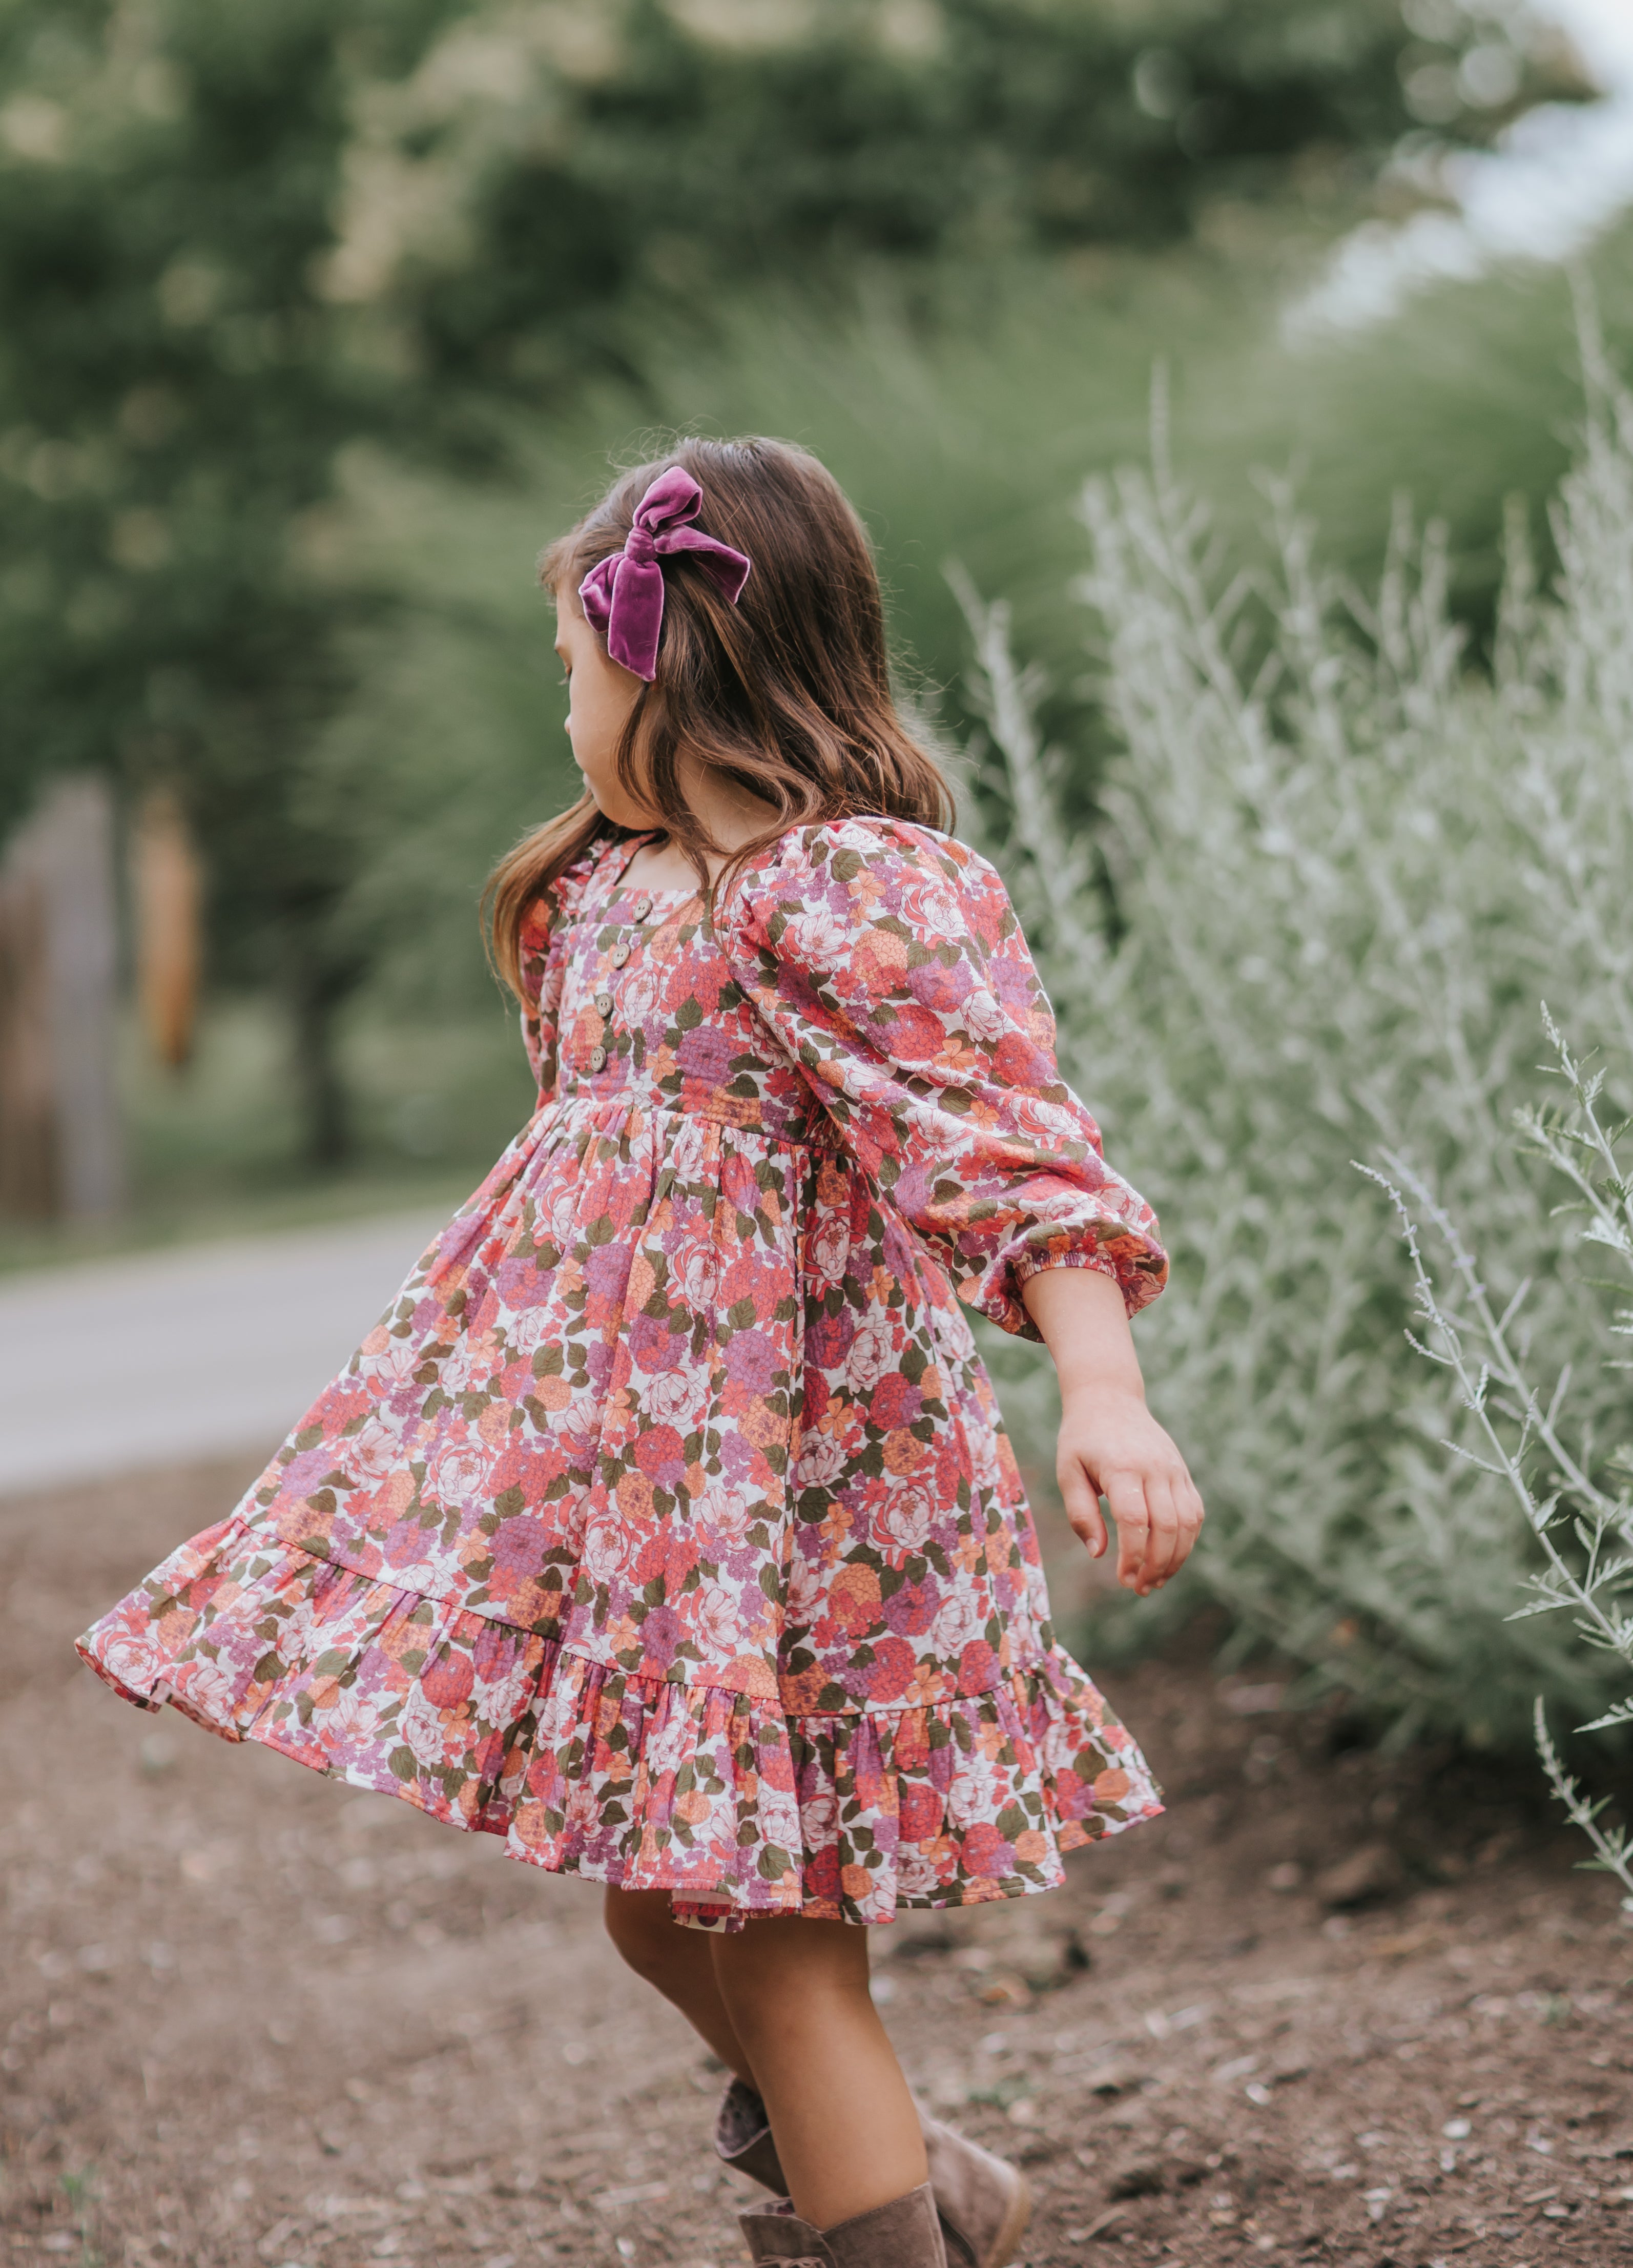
<point x="1033" y="1264"/>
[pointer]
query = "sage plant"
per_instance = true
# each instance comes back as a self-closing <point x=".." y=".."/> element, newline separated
<point x="1336" y="863"/>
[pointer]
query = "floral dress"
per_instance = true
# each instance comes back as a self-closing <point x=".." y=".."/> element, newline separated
<point x="666" y="1525"/>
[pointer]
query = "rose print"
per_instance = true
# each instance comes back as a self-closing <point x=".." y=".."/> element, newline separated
<point x="670" y="1396"/>
<point x="699" y="1276"/>
<point x="726" y="1515"/>
<point x="583" y="1809"/>
<point x="375" y="1453"/>
<point x="561" y="1218"/>
<point x="208" y="1688"/>
<point x="639" y="996"/>
<point x="533" y="1328"/>
<point x="458" y="1474"/>
<point x="578" y="1433"/>
<point x="953" y="1629"/>
<point x="606" y="1550"/>
<point x="392" y="1366"/>
<point x="829" y="1248"/>
<point x="420" y="1726"/>
<point x="460" y="1374"/>
<point x="822" y="1458"/>
<point x="909" y="1519"/>
<point x="984" y="1018"/>
<point x="131" y="1658"/>
<point x="714" y="1619"/>
<point x="806" y="1592"/>
<point x="815" y="940"/>
<point x="870" y="1353"/>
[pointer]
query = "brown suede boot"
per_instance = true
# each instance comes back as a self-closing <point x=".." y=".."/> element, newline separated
<point x="904" y="2233"/>
<point x="984" y="2204"/>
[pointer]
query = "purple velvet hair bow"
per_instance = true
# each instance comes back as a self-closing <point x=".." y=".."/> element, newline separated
<point x="623" y="597"/>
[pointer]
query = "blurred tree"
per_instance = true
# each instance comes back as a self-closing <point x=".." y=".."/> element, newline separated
<point x="547" y="162"/>
<point x="173" y="391"/>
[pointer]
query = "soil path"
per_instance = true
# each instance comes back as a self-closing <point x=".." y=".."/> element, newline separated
<point x="250" y="2018"/>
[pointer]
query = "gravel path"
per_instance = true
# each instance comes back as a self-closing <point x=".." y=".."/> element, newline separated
<point x="251" y="2019"/>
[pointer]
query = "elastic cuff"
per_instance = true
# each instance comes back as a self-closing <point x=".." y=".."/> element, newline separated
<point x="1032" y="1263"/>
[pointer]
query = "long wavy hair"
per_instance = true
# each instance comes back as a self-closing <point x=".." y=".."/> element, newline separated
<point x="787" y="693"/>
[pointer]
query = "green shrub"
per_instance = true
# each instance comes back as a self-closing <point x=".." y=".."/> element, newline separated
<point x="1572" y="1497"/>
<point x="1339" y="870"/>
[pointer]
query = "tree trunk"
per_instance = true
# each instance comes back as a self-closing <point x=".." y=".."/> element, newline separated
<point x="316" y="991"/>
<point x="29" y="1180"/>
<point x="62" y="1147"/>
<point x="167" y="891"/>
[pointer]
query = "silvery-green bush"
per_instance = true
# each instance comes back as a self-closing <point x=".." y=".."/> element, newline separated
<point x="1572" y="1496"/>
<point x="1339" y="863"/>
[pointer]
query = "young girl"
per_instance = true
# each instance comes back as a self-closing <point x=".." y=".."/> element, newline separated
<point x="666" y="1525"/>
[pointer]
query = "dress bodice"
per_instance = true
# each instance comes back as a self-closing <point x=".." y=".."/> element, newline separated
<point x="647" y="1010"/>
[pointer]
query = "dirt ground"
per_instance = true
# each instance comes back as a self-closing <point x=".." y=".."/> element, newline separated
<point x="1328" y="2009"/>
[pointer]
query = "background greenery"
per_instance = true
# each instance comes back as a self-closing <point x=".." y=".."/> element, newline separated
<point x="1347" y="869"/>
<point x="316" y="322"/>
<point x="484" y="240"/>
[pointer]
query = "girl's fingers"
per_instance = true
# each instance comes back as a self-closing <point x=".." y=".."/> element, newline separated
<point x="1126" y="1496"/>
<point x="1082" y="1501"/>
<point x="1198" y="1508"/>
<point x="1165" y="1532"/>
<point x="1191" y="1512"/>
<point x="1188" y="1518"/>
<point x="1183" y="1533"/>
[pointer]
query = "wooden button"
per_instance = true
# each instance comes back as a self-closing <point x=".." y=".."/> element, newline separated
<point x="603" y="1004"/>
<point x="643" y="906"/>
<point x="598" y="1059"/>
<point x="619" y="954"/>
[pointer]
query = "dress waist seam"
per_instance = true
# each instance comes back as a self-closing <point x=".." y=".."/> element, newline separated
<point x="586" y="1102"/>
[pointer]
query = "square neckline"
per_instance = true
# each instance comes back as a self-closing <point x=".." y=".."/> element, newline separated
<point x="622" y="886"/>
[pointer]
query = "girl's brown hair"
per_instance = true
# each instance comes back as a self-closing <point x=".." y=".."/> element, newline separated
<point x="787" y="693"/>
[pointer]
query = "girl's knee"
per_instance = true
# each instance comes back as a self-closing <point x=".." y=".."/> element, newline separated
<point x="774" y="1968"/>
<point x="642" y="1927"/>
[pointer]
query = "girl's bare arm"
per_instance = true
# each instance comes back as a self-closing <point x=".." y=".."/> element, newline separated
<point x="1110" y="1445"/>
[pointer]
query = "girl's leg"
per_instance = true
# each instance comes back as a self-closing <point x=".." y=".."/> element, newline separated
<point x="680" y="1963"/>
<point x="795" y="1993"/>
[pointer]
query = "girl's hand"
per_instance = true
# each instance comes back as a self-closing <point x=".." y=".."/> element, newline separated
<point x="1110" y="1445"/>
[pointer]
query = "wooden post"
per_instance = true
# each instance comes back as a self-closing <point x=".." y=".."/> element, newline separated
<point x="166" y="889"/>
<point x="62" y="1149"/>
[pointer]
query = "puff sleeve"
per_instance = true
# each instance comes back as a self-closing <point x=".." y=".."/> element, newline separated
<point x="888" y="961"/>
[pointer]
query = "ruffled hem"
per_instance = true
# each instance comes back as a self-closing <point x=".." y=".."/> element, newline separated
<point x="637" y="1782"/>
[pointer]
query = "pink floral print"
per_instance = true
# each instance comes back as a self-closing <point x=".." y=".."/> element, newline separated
<point x="666" y="1524"/>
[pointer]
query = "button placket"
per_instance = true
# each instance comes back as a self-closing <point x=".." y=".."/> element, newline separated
<point x="605" y="1002"/>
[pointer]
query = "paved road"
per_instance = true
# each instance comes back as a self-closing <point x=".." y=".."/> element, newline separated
<point x="113" y="1365"/>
